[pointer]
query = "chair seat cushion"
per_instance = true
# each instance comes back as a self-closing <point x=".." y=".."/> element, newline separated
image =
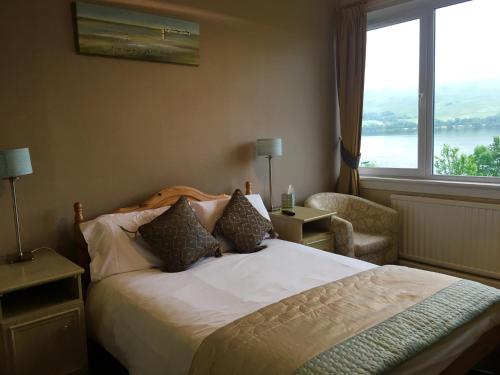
<point x="368" y="243"/>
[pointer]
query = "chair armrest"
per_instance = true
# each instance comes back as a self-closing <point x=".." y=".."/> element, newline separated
<point x="344" y="242"/>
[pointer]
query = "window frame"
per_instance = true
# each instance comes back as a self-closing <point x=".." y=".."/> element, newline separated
<point x="424" y="11"/>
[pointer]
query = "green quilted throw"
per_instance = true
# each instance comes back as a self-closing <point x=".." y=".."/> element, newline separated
<point x="399" y="338"/>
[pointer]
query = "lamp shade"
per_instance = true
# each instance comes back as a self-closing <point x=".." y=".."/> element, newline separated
<point x="15" y="163"/>
<point x="269" y="147"/>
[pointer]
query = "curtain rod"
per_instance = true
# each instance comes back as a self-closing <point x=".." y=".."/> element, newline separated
<point x="376" y="4"/>
<point x="354" y="4"/>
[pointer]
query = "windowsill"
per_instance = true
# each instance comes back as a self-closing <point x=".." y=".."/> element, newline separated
<point x="441" y="187"/>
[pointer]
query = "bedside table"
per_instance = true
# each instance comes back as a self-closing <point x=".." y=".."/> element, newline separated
<point x="309" y="226"/>
<point x="42" y="326"/>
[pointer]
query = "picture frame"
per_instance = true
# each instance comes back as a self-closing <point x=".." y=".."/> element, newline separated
<point x="117" y="32"/>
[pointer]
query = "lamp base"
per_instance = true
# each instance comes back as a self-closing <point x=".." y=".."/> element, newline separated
<point x="26" y="257"/>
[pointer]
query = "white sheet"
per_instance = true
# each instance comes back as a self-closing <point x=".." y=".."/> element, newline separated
<point x="153" y="322"/>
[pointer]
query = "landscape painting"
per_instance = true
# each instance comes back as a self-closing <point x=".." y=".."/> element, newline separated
<point x="109" y="31"/>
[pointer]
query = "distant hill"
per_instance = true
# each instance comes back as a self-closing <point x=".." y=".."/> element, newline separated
<point x="462" y="100"/>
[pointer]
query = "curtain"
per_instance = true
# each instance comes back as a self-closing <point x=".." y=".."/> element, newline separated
<point x="350" y="54"/>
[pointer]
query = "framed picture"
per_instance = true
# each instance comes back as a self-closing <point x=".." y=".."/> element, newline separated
<point x="110" y="31"/>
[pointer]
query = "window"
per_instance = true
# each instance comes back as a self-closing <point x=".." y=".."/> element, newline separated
<point x="390" y="116"/>
<point x="432" y="91"/>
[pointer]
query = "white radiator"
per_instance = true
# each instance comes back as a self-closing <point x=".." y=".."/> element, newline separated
<point x="456" y="235"/>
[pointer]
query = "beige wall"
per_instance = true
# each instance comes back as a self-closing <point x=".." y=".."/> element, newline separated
<point x="379" y="196"/>
<point x="109" y="132"/>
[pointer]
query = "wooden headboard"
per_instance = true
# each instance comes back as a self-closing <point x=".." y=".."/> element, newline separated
<point x="165" y="197"/>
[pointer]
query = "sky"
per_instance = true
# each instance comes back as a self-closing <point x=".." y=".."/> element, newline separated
<point x="467" y="48"/>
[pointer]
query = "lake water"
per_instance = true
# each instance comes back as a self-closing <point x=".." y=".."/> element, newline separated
<point x="401" y="151"/>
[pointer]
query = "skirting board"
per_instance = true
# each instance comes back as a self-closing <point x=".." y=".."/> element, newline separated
<point x="463" y="275"/>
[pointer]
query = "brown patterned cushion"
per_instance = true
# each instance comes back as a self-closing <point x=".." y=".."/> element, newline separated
<point x="243" y="225"/>
<point x="178" y="238"/>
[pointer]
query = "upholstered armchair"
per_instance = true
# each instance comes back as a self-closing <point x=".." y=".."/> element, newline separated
<point x="363" y="229"/>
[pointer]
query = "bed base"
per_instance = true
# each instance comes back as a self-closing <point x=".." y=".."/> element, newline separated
<point x="485" y="345"/>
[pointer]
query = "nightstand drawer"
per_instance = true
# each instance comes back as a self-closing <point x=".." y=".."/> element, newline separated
<point x="326" y="244"/>
<point x="49" y="345"/>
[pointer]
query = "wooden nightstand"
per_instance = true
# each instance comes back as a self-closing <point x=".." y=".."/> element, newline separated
<point x="309" y="227"/>
<point x="42" y="326"/>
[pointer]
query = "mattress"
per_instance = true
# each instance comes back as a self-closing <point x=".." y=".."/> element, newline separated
<point x="153" y="322"/>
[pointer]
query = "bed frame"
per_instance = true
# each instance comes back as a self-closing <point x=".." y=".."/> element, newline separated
<point x="486" y="344"/>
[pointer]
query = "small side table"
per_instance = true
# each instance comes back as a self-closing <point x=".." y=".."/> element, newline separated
<point x="42" y="325"/>
<point x="309" y="226"/>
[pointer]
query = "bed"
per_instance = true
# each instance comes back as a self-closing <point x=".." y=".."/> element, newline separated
<point x="216" y="316"/>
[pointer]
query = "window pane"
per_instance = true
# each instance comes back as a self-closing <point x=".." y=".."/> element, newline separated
<point x="467" y="90"/>
<point x="390" y="115"/>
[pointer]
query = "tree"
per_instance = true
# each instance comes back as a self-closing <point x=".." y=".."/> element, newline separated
<point x="488" y="158"/>
<point x="368" y="164"/>
<point x="452" y="163"/>
<point x="485" y="161"/>
<point x="495" y="151"/>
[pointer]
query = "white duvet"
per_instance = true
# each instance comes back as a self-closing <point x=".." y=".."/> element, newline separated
<point x="153" y="322"/>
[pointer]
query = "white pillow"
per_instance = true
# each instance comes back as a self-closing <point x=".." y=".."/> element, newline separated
<point x="208" y="212"/>
<point x="112" y="250"/>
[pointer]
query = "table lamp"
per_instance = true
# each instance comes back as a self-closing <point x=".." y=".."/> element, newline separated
<point x="270" y="147"/>
<point x="13" y="164"/>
